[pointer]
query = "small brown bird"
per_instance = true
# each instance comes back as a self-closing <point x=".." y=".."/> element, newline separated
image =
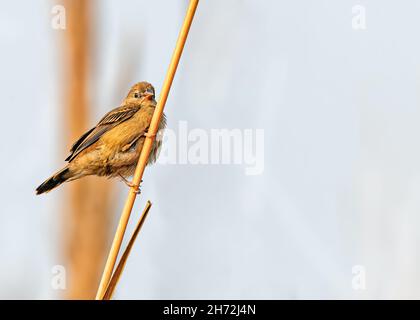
<point x="112" y="148"/>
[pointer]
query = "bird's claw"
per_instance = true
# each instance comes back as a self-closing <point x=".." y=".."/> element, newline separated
<point x="149" y="135"/>
<point x="135" y="188"/>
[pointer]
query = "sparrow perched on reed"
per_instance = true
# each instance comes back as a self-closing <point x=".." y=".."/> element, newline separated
<point x="112" y="148"/>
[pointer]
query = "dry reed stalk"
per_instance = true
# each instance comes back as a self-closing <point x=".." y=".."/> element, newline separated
<point x="121" y="264"/>
<point x="144" y="156"/>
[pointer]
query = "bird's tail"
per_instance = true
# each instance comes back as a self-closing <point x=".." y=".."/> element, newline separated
<point x="58" y="178"/>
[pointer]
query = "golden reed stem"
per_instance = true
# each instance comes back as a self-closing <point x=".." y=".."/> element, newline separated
<point x="144" y="156"/>
<point x="124" y="257"/>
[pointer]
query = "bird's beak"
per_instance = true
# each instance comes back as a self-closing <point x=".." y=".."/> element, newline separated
<point x="149" y="95"/>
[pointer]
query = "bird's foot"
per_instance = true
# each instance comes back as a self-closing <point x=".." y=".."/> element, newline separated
<point x="136" y="189"/>
<point x="149" y="135"/>
<point x="131" y="185"/>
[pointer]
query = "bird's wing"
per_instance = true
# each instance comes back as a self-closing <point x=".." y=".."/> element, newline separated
<point x="80" y="140"/>
<point x="109" y="121"/>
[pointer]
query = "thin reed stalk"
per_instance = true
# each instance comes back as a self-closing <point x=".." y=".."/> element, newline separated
<point x="144" y="156"/>
<point x="121" y="264"/>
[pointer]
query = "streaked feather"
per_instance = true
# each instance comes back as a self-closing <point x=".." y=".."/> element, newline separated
<point x="109" y="121"/>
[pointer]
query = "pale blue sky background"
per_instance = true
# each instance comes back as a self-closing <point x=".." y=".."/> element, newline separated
<point x="340" y="110"/>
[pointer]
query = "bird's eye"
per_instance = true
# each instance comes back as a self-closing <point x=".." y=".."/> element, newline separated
<point x="136" y="95"/>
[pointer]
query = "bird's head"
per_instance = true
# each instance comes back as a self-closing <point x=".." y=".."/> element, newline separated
<point x="142" y="90"/>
